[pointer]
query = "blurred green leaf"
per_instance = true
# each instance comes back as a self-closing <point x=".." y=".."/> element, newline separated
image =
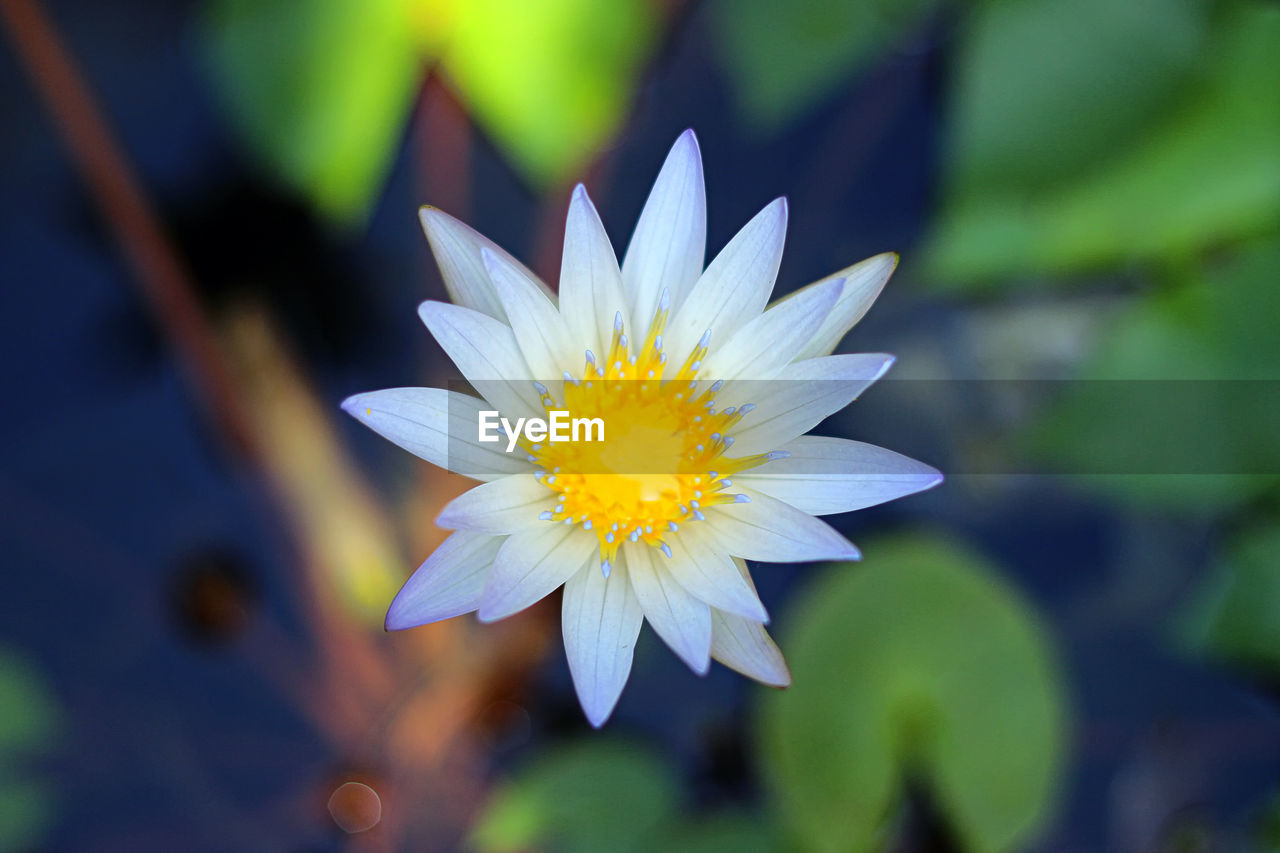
<point x="29" y="719"/>
<point x="783" y="58"/>
<point x="320" y="90"/>
<point x="1243" y="624"/>
<point x="918" y="664"/>
<point x="551" y="80"/>
<point x="721" y="833"/>
<point x="1212" y="331"/>
<point x="595" y="797"/>
<point x="1204" y="174"/>
<point x="1044" y="88"/>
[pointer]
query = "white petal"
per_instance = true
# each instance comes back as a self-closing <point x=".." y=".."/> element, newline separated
<point x="761" y="348"/>
<point x="800" y="397"/>
<point x="680" y="619"/>
<point x="670" y="240"/>
<point x="601" y="620"/>
<point x="775" y="532"/>
<point x="436" y="425"/>
<point x="862" y="284"/>
<point x="531" y="564"/>
<point x="486" y="352"/>
<point x="500" y="506"/>
<point x="535" y="320"/>
<point x="743" y="644"/>
<point x="448" y="584"/>
<point x="457" y="249"/>
<point x="825" y="475"/>
<point x="702" y="566"/>
<point x="590" y="283"/>
<point x="736" y="285"/>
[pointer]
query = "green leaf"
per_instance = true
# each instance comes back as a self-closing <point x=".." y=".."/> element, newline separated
<point x="919" y="663"/>
<point x="721" y="833"/>
<point x="1244" y="622"/>
<point x="1204" y="174"/>
<point x="550" y="80"/>
<point x="29" y="721"/>
<point x="783" y="58"/>
<point x="1205" y="442"/>
<point x="320" y="90"/>
<point x="599" y="796"/>
<point x="1044" y="88"/>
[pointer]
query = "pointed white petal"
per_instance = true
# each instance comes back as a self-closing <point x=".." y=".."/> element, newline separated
<point x="590" y="283"/>
<point x="457" y="249"/>
<point x="800" y="396"/>
<point x="862" y="284"/>
<point x="680" y="619"/>
<point x="775" y="532"/>
<point x="531" y="564"/>
<point x="701" y="565"/>
<point x="448" y="584"/>
<point x="600" y="619"/>
<point x="486" y="353"/>
<point x="736" y="285"/>
<point x="500" y="506"/>
<point x="436" y="425"/>
<point x="535" y="321"/>
<point x="670" y="240"/>
<point x="761" y="348"/>
<point x="743" y="644"/>
<point x="825" y="475"/>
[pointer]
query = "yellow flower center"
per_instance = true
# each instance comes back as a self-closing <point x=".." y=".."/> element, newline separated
<point x="661" y="461"/>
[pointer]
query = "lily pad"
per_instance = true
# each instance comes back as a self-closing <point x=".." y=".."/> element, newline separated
<point x="917" y="665"/>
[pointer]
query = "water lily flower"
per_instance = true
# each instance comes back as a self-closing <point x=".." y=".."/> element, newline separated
<point x="707" y="394"/>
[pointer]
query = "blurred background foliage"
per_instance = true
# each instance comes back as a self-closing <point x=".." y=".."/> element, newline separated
<point x="1100" y="203"/>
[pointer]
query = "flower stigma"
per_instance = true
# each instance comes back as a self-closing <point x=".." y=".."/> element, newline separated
<point x="662" y="460"/>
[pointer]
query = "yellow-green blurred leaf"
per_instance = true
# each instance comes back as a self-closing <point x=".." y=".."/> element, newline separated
<point x="1205" y="174"/>
<point x="320" y="90"/>
<point x="550" y="80"/>
<point x="782" y="58"/>
<point x="599" y="796"/>
<point x="919" y="662"/>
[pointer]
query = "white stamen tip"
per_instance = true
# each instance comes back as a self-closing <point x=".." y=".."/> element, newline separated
<point x="606" y="567"/>
<point x="713" y="474"/>
<point x="540" y="388"/>
<point x="747" y="408"/>
<point x="591" y="357"/>
<point x="778" y="454"/>
<point x="697" y="513"/>
<point x="586" y="525"/>
<point x="730" y="410"/>
<point x="672" y="526"/>
<point x="608" y="537"/>
<point x="728" y="441"/>
<point x="717" y="385"/>
<point x="664" y="301"/>
<point x="705" y="340"/>
<point x="657" y="343"/>
<point x="622" y="341"/>
<point x="741" y="499"/>
<point x="697" y="365"/>
<point x="635" y="536"/>
<point x="545" y="515"/>
<point x="666" y="549"/>
<point x="617" y="321"/>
